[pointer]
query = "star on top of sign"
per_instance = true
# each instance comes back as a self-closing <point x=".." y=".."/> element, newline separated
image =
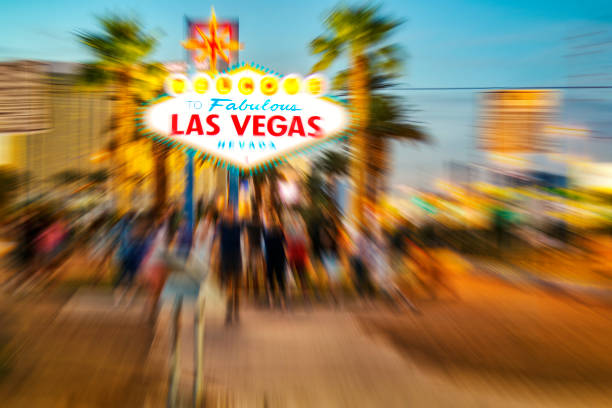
<point x="213" y="45"/>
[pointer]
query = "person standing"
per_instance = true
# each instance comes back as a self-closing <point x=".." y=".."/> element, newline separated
<point x="297" y="256"/>
<point x="183" y="241"/>
<point x="121" y="235"/>
<point x="315" y="228"/>
<point x="26" y="250"/>
<point x="330" y="259"/>
<point x="398" y="246"/>
<point x="201" y="252"/>
<point x="362" y="261"/>
<point x="254" y="229"/>
<point x="276" y="260"/>
<point x="155" y="268"/>
<point x="230" y="262"/>
<point x="199" y="209"/>
<point x="50" y="244"/>
<point x="101" y="247"/>
<point x="135" y="243"/>
<point x="174" y="221"/>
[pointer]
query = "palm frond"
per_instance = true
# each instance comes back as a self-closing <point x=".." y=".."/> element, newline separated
<point x="121" y="42"/>
<point x="329" y="48"/>
<point x="388" y="119"/>
<point x="388" y="59"/>
<point x="334" y="162"/>
<point x="340" y="81"/>
<point x="325" y="61"/>
<point x="94" y="75"/>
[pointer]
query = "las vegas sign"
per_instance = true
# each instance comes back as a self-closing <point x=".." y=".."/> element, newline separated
<point x="247" y="117"/>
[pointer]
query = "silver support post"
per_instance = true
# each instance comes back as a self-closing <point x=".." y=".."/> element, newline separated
<point x="200" y="319"/>
<point x="175" y="351"/>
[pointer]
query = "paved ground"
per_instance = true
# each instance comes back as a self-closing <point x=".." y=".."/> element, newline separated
<point x="520" y="338"/>
<point x="499" y="345"/>
<point x="315" y="359"/>
<point x="81" y="353"/>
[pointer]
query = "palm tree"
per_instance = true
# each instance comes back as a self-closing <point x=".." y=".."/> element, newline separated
<point x="121" y="50"/>
<point x="388" y="122"/>
<point x="361" y="32"/>
<point x="332" y="164"/>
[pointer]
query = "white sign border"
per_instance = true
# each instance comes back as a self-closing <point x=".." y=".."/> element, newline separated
<point x="225" y="162"/>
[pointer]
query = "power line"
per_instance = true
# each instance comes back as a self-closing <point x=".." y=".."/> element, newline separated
<point x="491" y="88"/>
<point x="590" y="34"/>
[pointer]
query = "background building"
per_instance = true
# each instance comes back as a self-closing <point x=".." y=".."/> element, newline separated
<point x="49" y="125"/>
<point x="54" y="129"/>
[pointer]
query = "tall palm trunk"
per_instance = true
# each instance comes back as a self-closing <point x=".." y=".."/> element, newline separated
<point x="358" y="166"/>
<point x="377" y="167"/>
<point x="115" y="173"/>
<point x="160" y="153"/>
<point x="123" y="114"/>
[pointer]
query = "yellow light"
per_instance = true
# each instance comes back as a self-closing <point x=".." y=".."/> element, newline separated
<point x="246" y="86"/>
<point x="178" y="85"/>
<point x="224" y="85"/>
<point x="200" y="85"/>
<point x="291" y="85"/>
<point x="269" y="85"/>
<point x="315" y="84"/>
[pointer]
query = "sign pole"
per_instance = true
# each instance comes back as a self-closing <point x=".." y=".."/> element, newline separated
<point x="189" y="181"/>
<point x="189" y="155"/>
<point x="233" y="187"/>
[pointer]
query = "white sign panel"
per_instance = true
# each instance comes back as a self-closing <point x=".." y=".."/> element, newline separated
<point x="246" y="117"/>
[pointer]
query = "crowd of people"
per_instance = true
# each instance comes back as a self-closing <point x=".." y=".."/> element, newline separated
<point x="275" y="257"/>
<point x="283" y="257"/>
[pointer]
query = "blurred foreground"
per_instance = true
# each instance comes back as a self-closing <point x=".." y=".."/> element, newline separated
<point x="437" y="326"/>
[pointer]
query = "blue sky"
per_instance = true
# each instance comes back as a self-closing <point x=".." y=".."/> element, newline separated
<point x="450" y="43"/>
